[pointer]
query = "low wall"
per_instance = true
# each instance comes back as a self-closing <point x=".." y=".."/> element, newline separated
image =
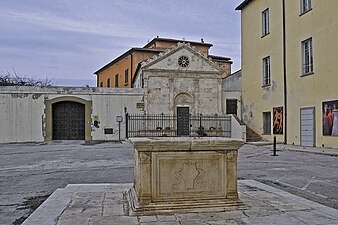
<point x="25" y="115"/>
<point x="238" y="130"/>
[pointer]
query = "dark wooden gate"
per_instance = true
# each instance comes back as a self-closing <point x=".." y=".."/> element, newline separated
<point x="183" y="124"/>
<point x="68" y="121"/>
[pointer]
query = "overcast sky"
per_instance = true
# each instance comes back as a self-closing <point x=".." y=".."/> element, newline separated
<point x="68" y="40"/>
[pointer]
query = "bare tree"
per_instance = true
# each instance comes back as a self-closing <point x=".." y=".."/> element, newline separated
<point x="13" y="79"/>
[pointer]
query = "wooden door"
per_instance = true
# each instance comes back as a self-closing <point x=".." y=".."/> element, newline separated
<point x="183" y="121"/>
<point x="68" y="121"/>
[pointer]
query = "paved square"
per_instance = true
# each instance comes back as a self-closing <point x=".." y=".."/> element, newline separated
<point x="105" y="205"/>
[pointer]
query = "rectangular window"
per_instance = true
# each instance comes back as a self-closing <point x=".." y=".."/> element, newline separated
<point x="108" y="82"/>
<point x="305" y="5"/>
<point x="266" y="122"/>
<point x="265" y="22"/>
<point x="307" y="57"/>
<point x="266" y="71"/>
<point x="117" y="80"/>
<point x="126" y="76"/>
<point x="231" y="105"/>
<point x="101" y="84"/>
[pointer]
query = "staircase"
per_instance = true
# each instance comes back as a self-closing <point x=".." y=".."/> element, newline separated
<point x="252" y="136"/>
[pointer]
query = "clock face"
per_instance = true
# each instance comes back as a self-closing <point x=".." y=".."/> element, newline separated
<point x="183" y="61"/>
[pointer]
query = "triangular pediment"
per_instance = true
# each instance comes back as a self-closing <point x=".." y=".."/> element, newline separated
<point x="182" y="57"/>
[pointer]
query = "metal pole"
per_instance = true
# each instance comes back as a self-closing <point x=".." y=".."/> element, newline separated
<point x="162" y="124"/>
<point x="274" y="146"/>
<point x="119" y="131"/>
<point x="284" y="74"/>
<point x="190" y="124"/>
<point x="127" y="115"/>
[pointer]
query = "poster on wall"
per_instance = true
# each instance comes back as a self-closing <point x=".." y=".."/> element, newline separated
<point x="278" y="120"/>
<point x="330" y="118"/>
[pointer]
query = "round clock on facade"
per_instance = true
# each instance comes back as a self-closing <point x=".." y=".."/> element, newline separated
<point x="183" y="61"/>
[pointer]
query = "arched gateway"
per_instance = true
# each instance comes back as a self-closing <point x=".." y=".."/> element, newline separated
<point x="68" y="120"/>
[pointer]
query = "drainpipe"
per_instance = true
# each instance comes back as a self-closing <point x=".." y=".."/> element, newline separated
<point x="284" y="73"/>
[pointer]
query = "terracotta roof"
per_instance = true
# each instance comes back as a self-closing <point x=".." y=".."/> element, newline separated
<point x="154" y="50"/>
<point x="176" y="41"/>
<point x="243" y="4"/>
<point x="126" y="54"/>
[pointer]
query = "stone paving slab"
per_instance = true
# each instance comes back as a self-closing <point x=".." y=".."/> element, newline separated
<point x="103" y="204"/>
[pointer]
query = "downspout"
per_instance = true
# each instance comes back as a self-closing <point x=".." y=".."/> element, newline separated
<point x="284" y="73"/>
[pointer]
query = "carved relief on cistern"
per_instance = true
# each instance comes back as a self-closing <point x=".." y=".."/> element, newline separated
<point x="183" y="174"/>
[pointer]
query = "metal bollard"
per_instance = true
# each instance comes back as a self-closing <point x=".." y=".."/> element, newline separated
<point x="274" y="146"/>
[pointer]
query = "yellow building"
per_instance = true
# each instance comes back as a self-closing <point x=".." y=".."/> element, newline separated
<point x="120" y="72"/>
<point x="289" y="70"/>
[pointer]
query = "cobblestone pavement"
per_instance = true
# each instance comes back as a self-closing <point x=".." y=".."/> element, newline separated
<point x="34" y="171"/>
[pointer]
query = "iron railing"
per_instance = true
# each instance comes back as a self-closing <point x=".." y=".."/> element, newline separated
<point x="161" y="125"/>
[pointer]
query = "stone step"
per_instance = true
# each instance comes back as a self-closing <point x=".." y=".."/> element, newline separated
<point x="252" y="136"/>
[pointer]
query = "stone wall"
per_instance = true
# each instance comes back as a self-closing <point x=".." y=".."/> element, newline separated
<point x="167" y="90"/>
<point x="169" y="84"/>
<point x="25" y="117"/>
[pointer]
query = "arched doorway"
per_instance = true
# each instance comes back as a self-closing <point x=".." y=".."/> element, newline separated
<point x="183" y="104"/>
<point x="68" y="120"/>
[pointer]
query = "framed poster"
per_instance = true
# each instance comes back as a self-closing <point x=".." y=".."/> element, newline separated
<point x="330" y="118"/>
<point x="278" y="120"/>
